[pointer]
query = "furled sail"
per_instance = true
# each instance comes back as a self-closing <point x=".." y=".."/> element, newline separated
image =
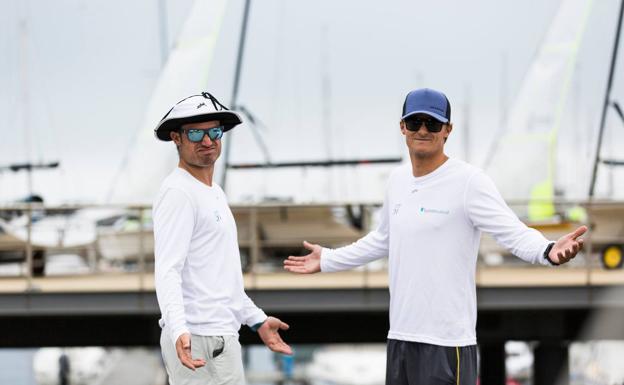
<point x="523" y="160"/>
<point x="185" y="73"/>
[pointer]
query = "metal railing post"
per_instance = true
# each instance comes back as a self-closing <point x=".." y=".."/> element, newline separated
<point x="364" y="212"/>
<point x="141" y="250"/>
<point x="29" y="250"/>
<point x="590" y="246"/>
<point x="254" y="244"/>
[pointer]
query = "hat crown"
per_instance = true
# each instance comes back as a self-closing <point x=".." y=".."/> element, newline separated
<point x="195" y="109"/>
<point x="427" y="101"/>
<point x="195" y="105"/>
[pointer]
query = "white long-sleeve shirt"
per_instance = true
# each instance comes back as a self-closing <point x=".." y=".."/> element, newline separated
<point x="199" y="282"/>
<point x="430" y="229"/>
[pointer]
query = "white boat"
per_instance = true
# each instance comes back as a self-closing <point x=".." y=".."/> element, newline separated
<point x="348" y="365"/>
<point x="79" y="366"/>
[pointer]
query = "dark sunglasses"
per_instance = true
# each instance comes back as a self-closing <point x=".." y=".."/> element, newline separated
<point x="197" y="135"/>
<point x="432" y="125"/>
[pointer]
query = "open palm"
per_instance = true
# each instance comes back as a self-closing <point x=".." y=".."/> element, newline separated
<point x="307" y="264"/>
<point x="269" y="333"/>
<point x="567" y="246"/>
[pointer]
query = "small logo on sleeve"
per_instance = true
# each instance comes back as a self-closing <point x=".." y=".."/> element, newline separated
<point x="217" y="216"/>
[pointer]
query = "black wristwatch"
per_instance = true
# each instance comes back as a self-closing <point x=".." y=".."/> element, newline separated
<point x="547" y="251"/>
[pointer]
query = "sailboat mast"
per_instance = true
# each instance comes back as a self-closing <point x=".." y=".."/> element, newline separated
<point x="605" y="105"/>
<point x="235" y="86"/>
<point x="326" y="115"/>
<point x="23" y="27"/>
<point x="162" y="21"/>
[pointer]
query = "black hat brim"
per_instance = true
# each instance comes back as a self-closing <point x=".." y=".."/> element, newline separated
<point x="228" y="120"/>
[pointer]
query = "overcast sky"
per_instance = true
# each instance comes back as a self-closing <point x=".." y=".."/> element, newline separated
<point x="326" y="77"/>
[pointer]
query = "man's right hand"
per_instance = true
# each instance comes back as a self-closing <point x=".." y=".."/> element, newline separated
<point x="307" y="264"/>
<point x="183" y="348"/>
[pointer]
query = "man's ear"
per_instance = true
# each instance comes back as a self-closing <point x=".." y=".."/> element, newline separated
<point x="449" y="128"/>
<point x="175" y="136"/>
<point x="402" y="125"/>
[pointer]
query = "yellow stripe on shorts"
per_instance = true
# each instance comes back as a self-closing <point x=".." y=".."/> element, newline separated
<point x="457" y="351"/>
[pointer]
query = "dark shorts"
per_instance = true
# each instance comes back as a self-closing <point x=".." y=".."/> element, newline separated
<point x="415" y="363"/>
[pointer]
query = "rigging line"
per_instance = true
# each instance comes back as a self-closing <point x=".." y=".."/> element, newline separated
<point x="612" y="162"/>
<point x="618" y="110"/>
<point x="254" y="124"/>
<point x="319" y="163"/>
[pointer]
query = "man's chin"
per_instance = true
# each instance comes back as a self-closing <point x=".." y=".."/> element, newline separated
<point x="422" y="154"/>
<point x="204" y="162"/>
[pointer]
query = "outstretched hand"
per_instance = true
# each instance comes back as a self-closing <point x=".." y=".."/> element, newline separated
<point x="307" y="264"/>
<point x="567" y="246"/>
<point x="269" y="333"/>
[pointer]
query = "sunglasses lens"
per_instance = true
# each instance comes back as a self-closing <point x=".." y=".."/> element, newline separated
<point x="413" y="124"/>
<point x="195" y="135"/>
<point x="432" y="125"/>
<point x="215" y="133"/>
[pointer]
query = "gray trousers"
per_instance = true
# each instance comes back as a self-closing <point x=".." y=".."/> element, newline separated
<point x="224" y="364"/>
<point x="415" y="363"/>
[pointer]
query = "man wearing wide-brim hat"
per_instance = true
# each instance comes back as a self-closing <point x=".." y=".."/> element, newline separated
<point x="198" y="277"/>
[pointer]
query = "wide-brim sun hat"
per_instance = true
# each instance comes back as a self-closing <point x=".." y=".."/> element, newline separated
<point x="195" y="109"/>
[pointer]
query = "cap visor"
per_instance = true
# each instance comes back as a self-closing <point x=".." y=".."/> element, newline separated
<point x="432" y="114"/>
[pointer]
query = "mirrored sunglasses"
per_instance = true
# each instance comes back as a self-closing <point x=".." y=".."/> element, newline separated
<point x="197" y="135"/>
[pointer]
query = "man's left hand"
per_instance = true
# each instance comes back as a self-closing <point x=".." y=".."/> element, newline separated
<point x="269" y="334"/>
<point x="567" y="246"/>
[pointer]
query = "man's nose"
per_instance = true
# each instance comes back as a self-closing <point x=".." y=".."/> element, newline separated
<point x="422" y="128"/>
<point x="206" y="141"/>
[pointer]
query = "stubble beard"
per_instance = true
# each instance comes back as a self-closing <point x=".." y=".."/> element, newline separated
<point x="421" y="154"/>
<point x="200" y="161"/>
<point x="203" y="162"/>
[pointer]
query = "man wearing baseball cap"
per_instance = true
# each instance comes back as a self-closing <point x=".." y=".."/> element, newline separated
<point x="433" y="214"/>
<point x="198" y="276"/>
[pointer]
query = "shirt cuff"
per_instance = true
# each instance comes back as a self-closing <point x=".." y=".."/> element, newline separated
<point x="257" y="326"/>
<point x="325" y="256"/>
<point x="256" y="319"/>
<point x="545" y="260"/>
<point x="175" y="334"/>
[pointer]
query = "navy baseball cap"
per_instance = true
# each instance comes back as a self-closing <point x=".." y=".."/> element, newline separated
<point x="427" y="101"/>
